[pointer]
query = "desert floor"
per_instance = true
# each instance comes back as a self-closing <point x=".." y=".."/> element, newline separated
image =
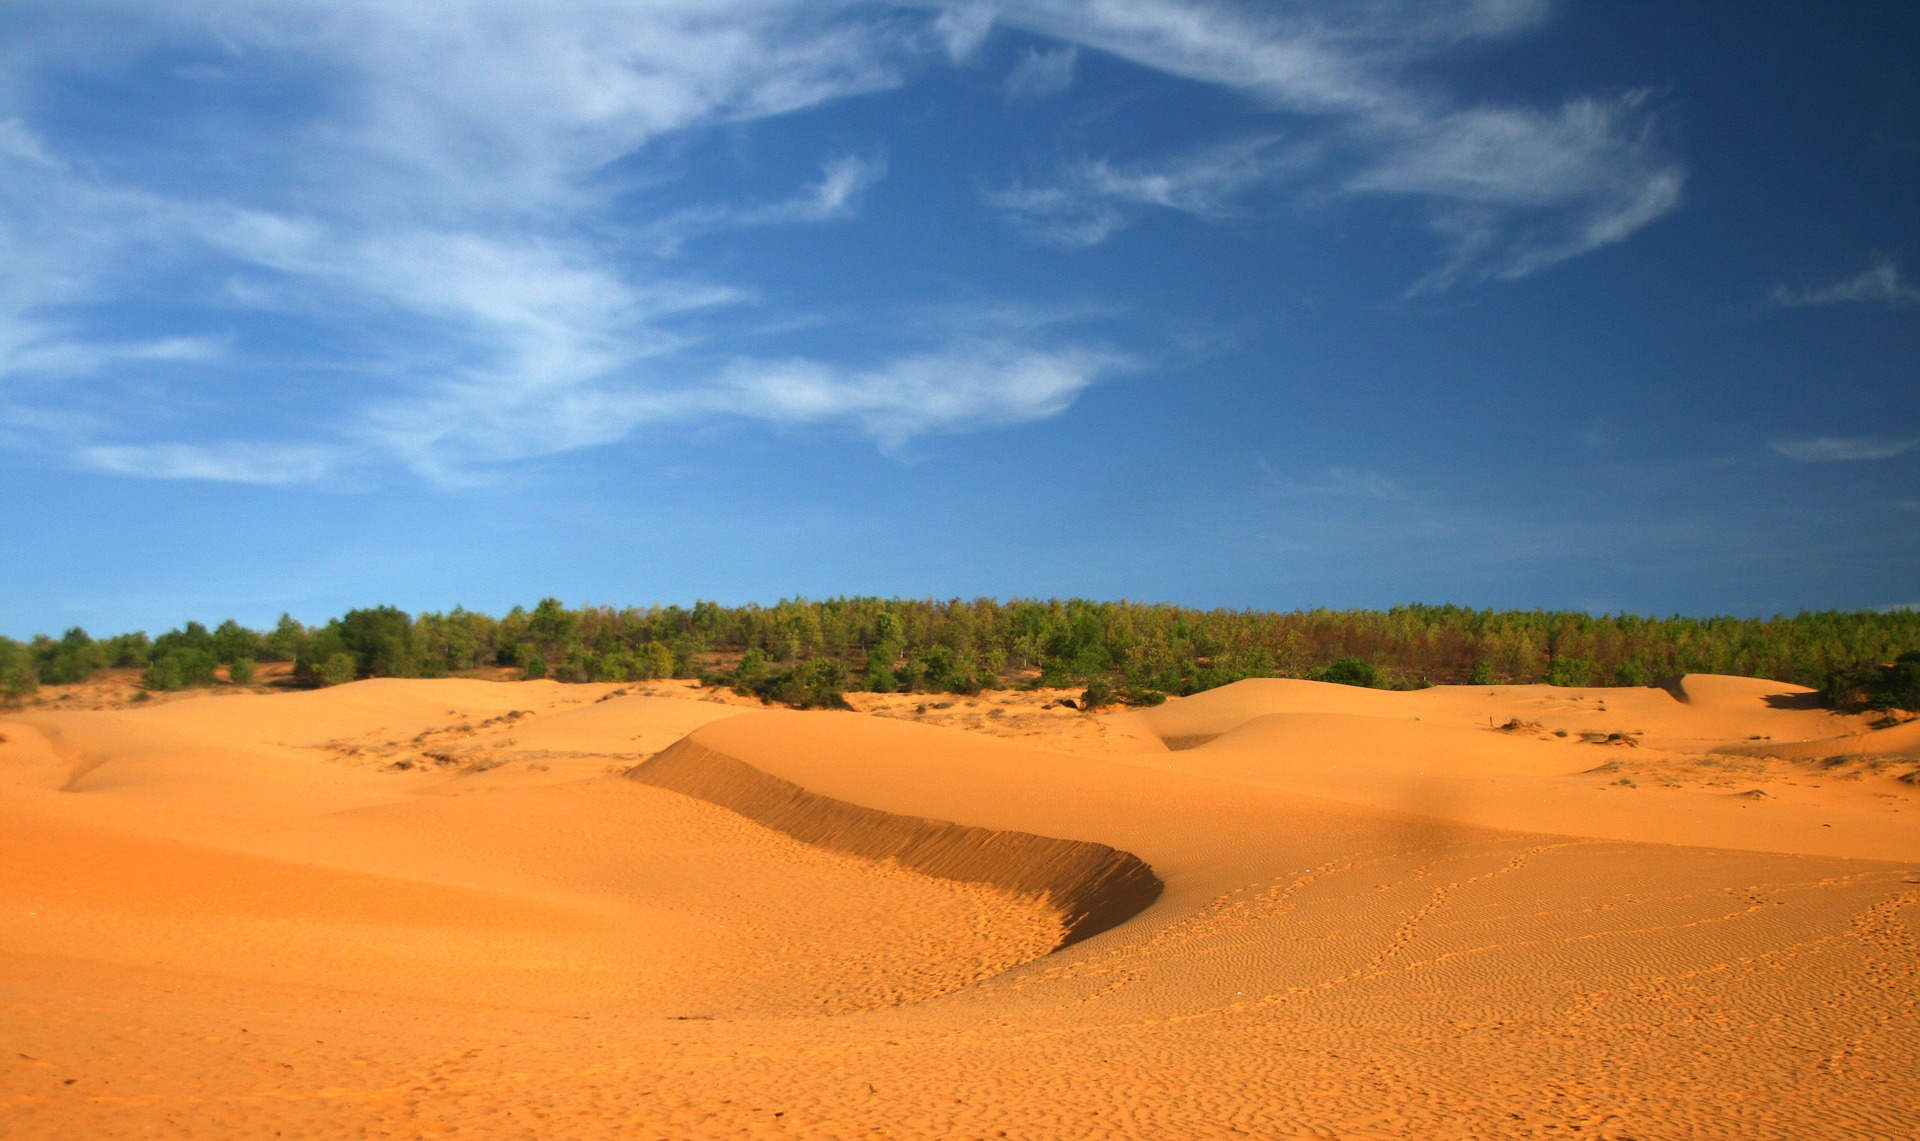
<point x="497" y="910"/>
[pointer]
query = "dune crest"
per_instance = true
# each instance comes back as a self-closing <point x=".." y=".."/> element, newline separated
<point x="1094" y="887"/>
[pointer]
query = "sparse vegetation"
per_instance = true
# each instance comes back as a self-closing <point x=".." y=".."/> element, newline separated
<point x="1883" y="686"/>
<point x="805" y="652"/>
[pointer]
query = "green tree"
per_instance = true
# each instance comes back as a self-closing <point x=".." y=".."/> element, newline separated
<point x="380" y="640"/>
<point x="1569" y="672"/>
<point x="286" y="641"/>
<point x="339" y="668"/>
<point x="71" y="660"/>
<point x="18" y="678"/>
<point x="232" y="642"/>
<point x="163" y="674"/>
<point x="1349" y="671"/>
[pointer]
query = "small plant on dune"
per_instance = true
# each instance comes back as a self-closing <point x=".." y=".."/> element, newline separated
<point x="241" y="672"/>
<point x="1482" y="674"/>
<point x="1099" y="692"/>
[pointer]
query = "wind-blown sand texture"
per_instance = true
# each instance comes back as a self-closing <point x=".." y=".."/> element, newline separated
<point x="1280" y="909"/>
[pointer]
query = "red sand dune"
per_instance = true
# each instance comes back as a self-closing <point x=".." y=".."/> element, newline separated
<point x="440" y="908"/>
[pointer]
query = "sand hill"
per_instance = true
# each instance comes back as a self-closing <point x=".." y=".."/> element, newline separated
<point x="1279" y="909"/>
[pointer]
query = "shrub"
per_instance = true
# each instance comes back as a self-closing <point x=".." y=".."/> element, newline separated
<point x="610" y="666"/>
<point x="338" y="669"/>
<point x="1631" y="673"/>
<point x="817" y="684"/>
<point x="315" y="650"/>
<point x="241" y="671"/>
<point x="655" y="659"/>
<point x="289" y="637"/>
<point x="232" y="642"/>
<point x="18" y="678"/>
<point x="1348" y="671"/>
<point x="126" y="650"/>
<point x="179" y="668"/>
<point x="71" y="660"/>
<point x="380" y="640"/>
<point x="1894" y="685"/>
<point x="533" y="667"/>
<point x="163" y="675"/>
<point x="1482" y="674"/>
<point x="1098" y="693"/>
<point x="1569" y="672"/>
<point x="1898" y="686"/>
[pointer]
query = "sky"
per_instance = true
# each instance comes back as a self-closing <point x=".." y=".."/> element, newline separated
<point x="307" y="305"/>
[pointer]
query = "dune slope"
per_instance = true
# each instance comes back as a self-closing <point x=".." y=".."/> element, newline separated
<point x="1091" y="886"/>
<point x="421" y="909"/>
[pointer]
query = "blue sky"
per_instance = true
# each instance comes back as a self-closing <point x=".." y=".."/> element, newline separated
<point x="312" y="305"/>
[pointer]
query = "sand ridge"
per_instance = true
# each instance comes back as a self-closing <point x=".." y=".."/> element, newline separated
<point x="435" y="908"/>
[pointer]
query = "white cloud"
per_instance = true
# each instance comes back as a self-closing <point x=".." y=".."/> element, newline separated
<point x="966" y="386"/>
<point x="963" y="27"/>
<point x="450" y="206"/>
<point x="445" y="219"/>
<point x="843" y="183"/>
<point x="1844" y="449"/>
<point x="1881" y="284"/>
<point x="224" y="463"/>
<point x="1093" y="199"/>
<point x="1511" y="190"/>
<point x="17" y="142"/>
<point x="1040" y="74"/>
<point x="963" y="387"/>
<point x="1337" y="482"/>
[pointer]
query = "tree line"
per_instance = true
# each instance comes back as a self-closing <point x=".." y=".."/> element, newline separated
<point x="805" y="652"/>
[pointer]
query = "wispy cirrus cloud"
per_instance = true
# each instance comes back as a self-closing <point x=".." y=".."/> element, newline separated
<point x="418" y="227"/>
<point x="1879" y="284"/>
<point x="435" y="206"/>
<point x="1040" y="74"/>
<point x="834" y="198"/>
<point x="1845" y="449"/>
<point x="1092" y="199"/>
<point x="1336" y="482"/>
<point x="221" y="463"/>
<point x="1508" y="190"/>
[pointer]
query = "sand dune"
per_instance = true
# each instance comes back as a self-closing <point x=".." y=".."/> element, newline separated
<point x="440" y="909"/>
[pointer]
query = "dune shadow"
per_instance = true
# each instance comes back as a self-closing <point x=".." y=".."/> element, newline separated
<point x="1091" y="886"/>
<point x="1802" y="701"/>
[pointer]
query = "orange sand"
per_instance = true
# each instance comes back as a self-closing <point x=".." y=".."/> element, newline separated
<point x="441" y="908"/>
